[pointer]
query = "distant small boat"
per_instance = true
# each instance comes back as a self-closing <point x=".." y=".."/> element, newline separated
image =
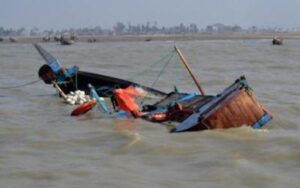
<point x="12" y="39"/>
<point x="57" y="38"/>
<point x="73" y="37"/>
<point x="46" y="38"/>
<point x="277" y="41"/>
<point x="91" y="40"/>
<point x="66" y="41"/>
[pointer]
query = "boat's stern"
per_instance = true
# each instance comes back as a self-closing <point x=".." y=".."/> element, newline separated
<point x="236" y="106"/>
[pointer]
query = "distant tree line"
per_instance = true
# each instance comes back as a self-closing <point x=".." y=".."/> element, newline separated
<point x="140" y="29"/>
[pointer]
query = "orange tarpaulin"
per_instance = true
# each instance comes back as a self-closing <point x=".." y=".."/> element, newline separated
<point x="125" y="100"/>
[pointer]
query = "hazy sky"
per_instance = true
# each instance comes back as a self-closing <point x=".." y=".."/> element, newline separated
<point x="58" y="14"/>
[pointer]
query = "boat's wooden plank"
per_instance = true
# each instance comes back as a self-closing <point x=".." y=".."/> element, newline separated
<point x="246" y="108"/>
<point x="239" y="110"/>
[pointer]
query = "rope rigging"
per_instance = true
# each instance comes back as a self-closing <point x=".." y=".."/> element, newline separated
<point x="165" y="58"/>
<point x="162" y="70"/>
<point x="164" y="62"/>
<point x="22" y="85"/>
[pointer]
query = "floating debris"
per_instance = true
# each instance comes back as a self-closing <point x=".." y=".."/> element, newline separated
<point x="77" y="97"/>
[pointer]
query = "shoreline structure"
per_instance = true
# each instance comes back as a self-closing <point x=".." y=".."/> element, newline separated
<point x="158" y="37"/>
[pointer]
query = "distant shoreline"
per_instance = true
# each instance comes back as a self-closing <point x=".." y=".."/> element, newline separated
<point x="128" y="38"/>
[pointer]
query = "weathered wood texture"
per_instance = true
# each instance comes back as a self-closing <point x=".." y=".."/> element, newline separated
<point x="240" y="108"/>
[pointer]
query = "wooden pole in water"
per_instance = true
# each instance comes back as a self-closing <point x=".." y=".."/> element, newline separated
<point x="184" y="62"/>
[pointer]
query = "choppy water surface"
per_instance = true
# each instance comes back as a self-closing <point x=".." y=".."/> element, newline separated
<point x="42" y="146"/>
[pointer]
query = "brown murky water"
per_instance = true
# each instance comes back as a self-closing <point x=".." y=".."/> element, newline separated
<point x="42" y="146"/>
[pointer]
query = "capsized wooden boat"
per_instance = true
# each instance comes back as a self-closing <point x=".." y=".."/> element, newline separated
<point x="71" y="79"/>
<point x="236" y="106"/>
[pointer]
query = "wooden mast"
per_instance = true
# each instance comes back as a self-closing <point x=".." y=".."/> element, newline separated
<point x="184" y="62"/>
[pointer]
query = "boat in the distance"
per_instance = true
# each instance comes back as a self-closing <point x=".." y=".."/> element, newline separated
<point x="277" y="41"/>
<point x="12" y="39"/>
<point x="68" y="39"/>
